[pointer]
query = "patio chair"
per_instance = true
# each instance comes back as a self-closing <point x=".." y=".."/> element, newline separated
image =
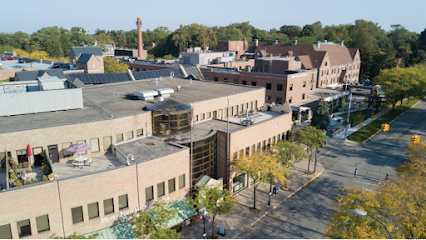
<point x="88" y="161"/>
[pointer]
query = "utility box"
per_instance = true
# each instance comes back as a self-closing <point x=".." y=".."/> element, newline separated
<point x="50" y="83"/>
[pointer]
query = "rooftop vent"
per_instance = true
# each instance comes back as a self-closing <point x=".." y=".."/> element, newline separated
<point x="164" y="92"/>
<point x="178" y="88"/>
<point x="294" y="42"/>
<point x="146" y="95"/>
<point x="160" y="98"/>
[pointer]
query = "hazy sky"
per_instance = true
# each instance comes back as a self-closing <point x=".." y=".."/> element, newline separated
<point x="30" y="15"/>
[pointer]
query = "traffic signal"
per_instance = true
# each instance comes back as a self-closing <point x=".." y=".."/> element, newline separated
<point x="382" y="127"/>
<point x="417" y="139"/>
<point x="386" y="127"/>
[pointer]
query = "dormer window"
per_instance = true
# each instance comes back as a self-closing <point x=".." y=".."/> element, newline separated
<point x="326" y="64"/>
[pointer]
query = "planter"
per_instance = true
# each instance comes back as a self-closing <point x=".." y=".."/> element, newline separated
<point x="285" y="188"/>
<point x="51" y="179"/>
<point x="309" y="173"/>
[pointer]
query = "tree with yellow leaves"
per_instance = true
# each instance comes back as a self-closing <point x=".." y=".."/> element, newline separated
<point x="400" y="205"/>
<point x="113" y="66"/>
<point x="261" y="167"/>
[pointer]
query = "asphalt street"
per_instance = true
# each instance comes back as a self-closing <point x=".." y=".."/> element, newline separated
<point x="306" y="214"/>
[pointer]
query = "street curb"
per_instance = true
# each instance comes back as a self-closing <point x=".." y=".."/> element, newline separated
<point x="266" y="213"/>
<point x="391" y="121"/>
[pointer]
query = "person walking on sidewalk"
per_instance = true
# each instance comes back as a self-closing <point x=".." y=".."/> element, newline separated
<point x="355" y="172"/>
<point x="387" y="176"/>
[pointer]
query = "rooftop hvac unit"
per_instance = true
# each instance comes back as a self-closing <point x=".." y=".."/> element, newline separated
<point x="19" y="89"/>
<point x="146" y="95"/>
<point x="164" y="92"/>
<point x="8" y="89"/>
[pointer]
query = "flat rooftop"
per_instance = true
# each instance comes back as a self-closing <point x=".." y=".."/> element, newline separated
<point x="148" y="148"/>
<point x="102" y="101"/>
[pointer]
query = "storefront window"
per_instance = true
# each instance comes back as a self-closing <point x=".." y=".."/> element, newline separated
<point x="239" y="183"/>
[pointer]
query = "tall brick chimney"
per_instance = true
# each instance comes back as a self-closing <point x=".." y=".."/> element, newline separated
<point x="245" y="44"/>
<point x="140" y="43"/>
<point x="256" y="42"/>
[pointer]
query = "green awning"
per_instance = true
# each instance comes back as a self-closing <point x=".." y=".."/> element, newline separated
<point x="203" y="181"/>
<point x="121" y="231"/>
<point x="184" y="212"/>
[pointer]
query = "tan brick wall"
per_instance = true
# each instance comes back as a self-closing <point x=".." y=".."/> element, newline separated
<point x="31" y="202"/>
<point x="161" y="170"/>
<point x="10" y="73"/>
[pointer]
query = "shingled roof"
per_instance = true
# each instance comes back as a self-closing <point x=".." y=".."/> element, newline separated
<point x="84" y="58"/>
<point x="89" y="50"/>
<point x="32" y="75"/>
<point x="310" y="55"/>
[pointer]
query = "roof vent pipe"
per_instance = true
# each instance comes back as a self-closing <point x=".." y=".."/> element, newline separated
<point x="190" y="81"/>
<point x="156" y="81"/>
<point x="172" y="74"/>
<point x="161" y="78"/>
<point x="160" y="98"/>
<point x="178" y="88"/>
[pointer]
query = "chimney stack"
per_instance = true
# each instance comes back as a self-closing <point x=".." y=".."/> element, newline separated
<point x="140" y="42"/>
<point x="256" y="42"/>
<point x="245" y="44"/>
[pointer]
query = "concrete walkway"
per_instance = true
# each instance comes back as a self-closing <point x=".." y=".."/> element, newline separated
<point x="361" y="125"/>
<point x="241" y="218"/>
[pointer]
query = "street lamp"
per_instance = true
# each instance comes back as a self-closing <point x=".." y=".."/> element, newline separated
<point x="270" y="188"/>
<point x="29" y="53"/>
<point x="362" y="213"/>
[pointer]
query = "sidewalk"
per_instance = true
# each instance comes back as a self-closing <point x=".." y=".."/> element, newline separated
<point x="241" y="218"/>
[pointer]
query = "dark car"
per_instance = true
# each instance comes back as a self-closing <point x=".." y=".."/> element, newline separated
<point x="7" y="58"/>
<point x="62" y="65"/>
<point x="25" y="60"/>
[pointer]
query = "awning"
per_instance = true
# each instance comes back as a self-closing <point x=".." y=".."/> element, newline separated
<point x="121" y="231"/>
<point x="184" y="212"/>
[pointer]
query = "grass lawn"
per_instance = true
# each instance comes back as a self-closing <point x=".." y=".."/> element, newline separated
<point x="358" y="117"/>
<point x="364" y="133"/>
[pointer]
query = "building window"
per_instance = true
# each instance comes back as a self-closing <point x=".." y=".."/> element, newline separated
<point x="43" y="223"/>
<point x="172" y="187"/>
<point x="253" y="83"/>
<point x="24" y="228"/>
<point x="279" y="100"/>
<point x="303" y="96"/>
<point x="95" y="145"/>
<point x="119" y="137"/>
<point x="232" y="111"/>
<point x="253" y="148"/>
<point x="264" y="144"/>
<point x="93" y="209"/>
<point x="225" y="80"/>
<point x="244" y="82"/>
<point x="202" y="116"/>
<point x="139" y="132"/>
<point x="123" y="202"/>
<point x="326" y="64"/>
<point x="209" y="115"/>
<point x="196" y="118"/>
<point x="251" y="105"/>
<point x="160" y="189"/>
<point x="77" y="214"/>
<point x="268" y="86"/>
<point x="247" y="151"/>
<point x="129" y="135"/>
<point x="242" y="108"/>
<point x="289" y="100"/>
<point x="108" y="206"/>
<point x="279" y="87"/>
<point x="216" y="79"/>
<point x="268" y="99"/>
<point x="149" y="193"/>
<point x="236" y="81"/>
<point x="255" y="104"/>
<point x="291" y="87"/>
<point x="214" y="114"/>
<point x="5" y="232"/>
<point x="304" y="84"/>
<point x="65" y="146"/>
<point x="182" y="181"/>
<point x="312" y="86"/>
<point x="241" y="152"/>
<point x="259" y="146"/>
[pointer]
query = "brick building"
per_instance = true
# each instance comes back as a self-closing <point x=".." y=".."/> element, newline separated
<point x="90" y="63"/>
<point x="121" y="129"/>
<point x="239" y="47"/>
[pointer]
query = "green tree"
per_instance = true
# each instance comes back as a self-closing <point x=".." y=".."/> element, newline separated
<point x="312" y="30"/>
<point x="312" y="137"/>
<point x="261" y="167"/>
<point x="152" y="223"/>
<point x="288" y="154"/>
<point x="321" y="116"/>
<point x="216" y="199"/>
<point x="113" y="66"/>
<point x="291" y="31"/>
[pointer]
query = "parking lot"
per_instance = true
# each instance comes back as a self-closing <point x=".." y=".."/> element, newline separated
<point x="10" y="63"/>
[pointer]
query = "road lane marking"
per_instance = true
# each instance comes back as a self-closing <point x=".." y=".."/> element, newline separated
<point x="324" y="154"/>
<point x="391" y="144"/>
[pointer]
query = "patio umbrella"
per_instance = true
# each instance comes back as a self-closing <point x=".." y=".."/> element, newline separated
<point x="29" y="153"/>
<point x="79" y="147"/>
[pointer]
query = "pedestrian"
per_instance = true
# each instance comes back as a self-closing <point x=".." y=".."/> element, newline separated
<point x="355" y="172"/>
<point x="387" y="176"/>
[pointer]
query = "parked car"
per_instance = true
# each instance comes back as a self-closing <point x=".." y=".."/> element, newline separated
<point x="7" y="58"/>
<point x="61" y="65"/>
<point x="25" y="60"/>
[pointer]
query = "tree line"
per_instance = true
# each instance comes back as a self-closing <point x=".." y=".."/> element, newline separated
<point x="379" y="49"/>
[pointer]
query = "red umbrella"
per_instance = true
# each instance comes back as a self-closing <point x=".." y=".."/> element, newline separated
<point x="29" y="153"/>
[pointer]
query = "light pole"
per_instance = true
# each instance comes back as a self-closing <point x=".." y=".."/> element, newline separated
<point x="270" y="189"/>
<point x="349" y="113"/>
<point x="362" y="213"/>
<point x="29" y="53"/>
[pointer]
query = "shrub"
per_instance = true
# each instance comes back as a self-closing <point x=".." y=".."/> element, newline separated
<point x="51" y="175"/>
<point x="44" y="178"/>
<point x="18" y="184"/>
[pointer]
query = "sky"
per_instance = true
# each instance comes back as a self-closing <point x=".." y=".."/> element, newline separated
<point x="29" y="15"/>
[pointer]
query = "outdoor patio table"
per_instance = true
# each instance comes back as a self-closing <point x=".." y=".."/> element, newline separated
<point x="80" y="159"/>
